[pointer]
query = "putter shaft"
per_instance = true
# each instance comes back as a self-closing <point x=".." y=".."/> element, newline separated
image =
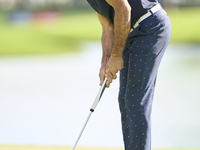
<point x="82" y="129"/>
<point x="94" y="105"/>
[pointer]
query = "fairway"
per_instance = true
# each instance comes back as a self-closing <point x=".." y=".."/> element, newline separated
<point x="67" y="34"/>
<point x="185" y="25"/>
<point x="63" y="35"/>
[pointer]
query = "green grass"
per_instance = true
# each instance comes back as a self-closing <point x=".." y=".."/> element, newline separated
<point x="64" y="35"/>
<point x="7" y="147"/>
<point x="75" y="27"/>
<point x="185" y="25"/>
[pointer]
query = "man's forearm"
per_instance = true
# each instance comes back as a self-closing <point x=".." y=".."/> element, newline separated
<point x="107" y="44"/>
<point x="121" y="29"/>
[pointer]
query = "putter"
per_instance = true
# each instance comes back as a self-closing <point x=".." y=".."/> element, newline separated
<point x="94" y="105"/>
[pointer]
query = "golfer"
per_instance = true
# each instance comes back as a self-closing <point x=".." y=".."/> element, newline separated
<point x="134" y="38"/>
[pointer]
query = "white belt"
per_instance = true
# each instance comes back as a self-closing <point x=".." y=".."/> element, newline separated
<point x="149" y="13"/>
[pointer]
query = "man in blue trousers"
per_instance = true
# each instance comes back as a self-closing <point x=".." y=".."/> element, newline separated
<point x="134" y="38"/>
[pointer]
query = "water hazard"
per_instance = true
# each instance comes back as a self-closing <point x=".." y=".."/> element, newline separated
<point x="44" y="100"/>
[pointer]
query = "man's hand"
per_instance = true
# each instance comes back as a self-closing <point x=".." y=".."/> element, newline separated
<point x="114" y="65"/>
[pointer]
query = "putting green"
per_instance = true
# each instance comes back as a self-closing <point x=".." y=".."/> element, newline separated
<point x="10" y="147"/>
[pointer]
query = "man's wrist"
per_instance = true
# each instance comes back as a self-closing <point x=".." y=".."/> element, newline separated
<point x="103" y="64"/>
<point x="116" y="54"/>
<point x="105" y="60"/>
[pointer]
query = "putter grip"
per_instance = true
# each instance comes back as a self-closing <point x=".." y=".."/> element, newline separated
<point x="98" y="97"/>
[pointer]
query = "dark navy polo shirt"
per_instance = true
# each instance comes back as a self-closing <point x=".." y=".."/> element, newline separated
<point x="138" y="8"/>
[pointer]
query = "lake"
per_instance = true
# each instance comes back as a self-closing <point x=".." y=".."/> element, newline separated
<point x="44" y="100"/>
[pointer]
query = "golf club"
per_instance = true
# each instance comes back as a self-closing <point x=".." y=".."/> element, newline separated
<point x="94" y="105"/>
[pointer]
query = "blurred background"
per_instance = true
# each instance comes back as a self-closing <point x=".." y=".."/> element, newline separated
<point x="50" y="54"/>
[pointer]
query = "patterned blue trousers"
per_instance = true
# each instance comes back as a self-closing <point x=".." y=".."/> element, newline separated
<point x="143" y="53"/>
